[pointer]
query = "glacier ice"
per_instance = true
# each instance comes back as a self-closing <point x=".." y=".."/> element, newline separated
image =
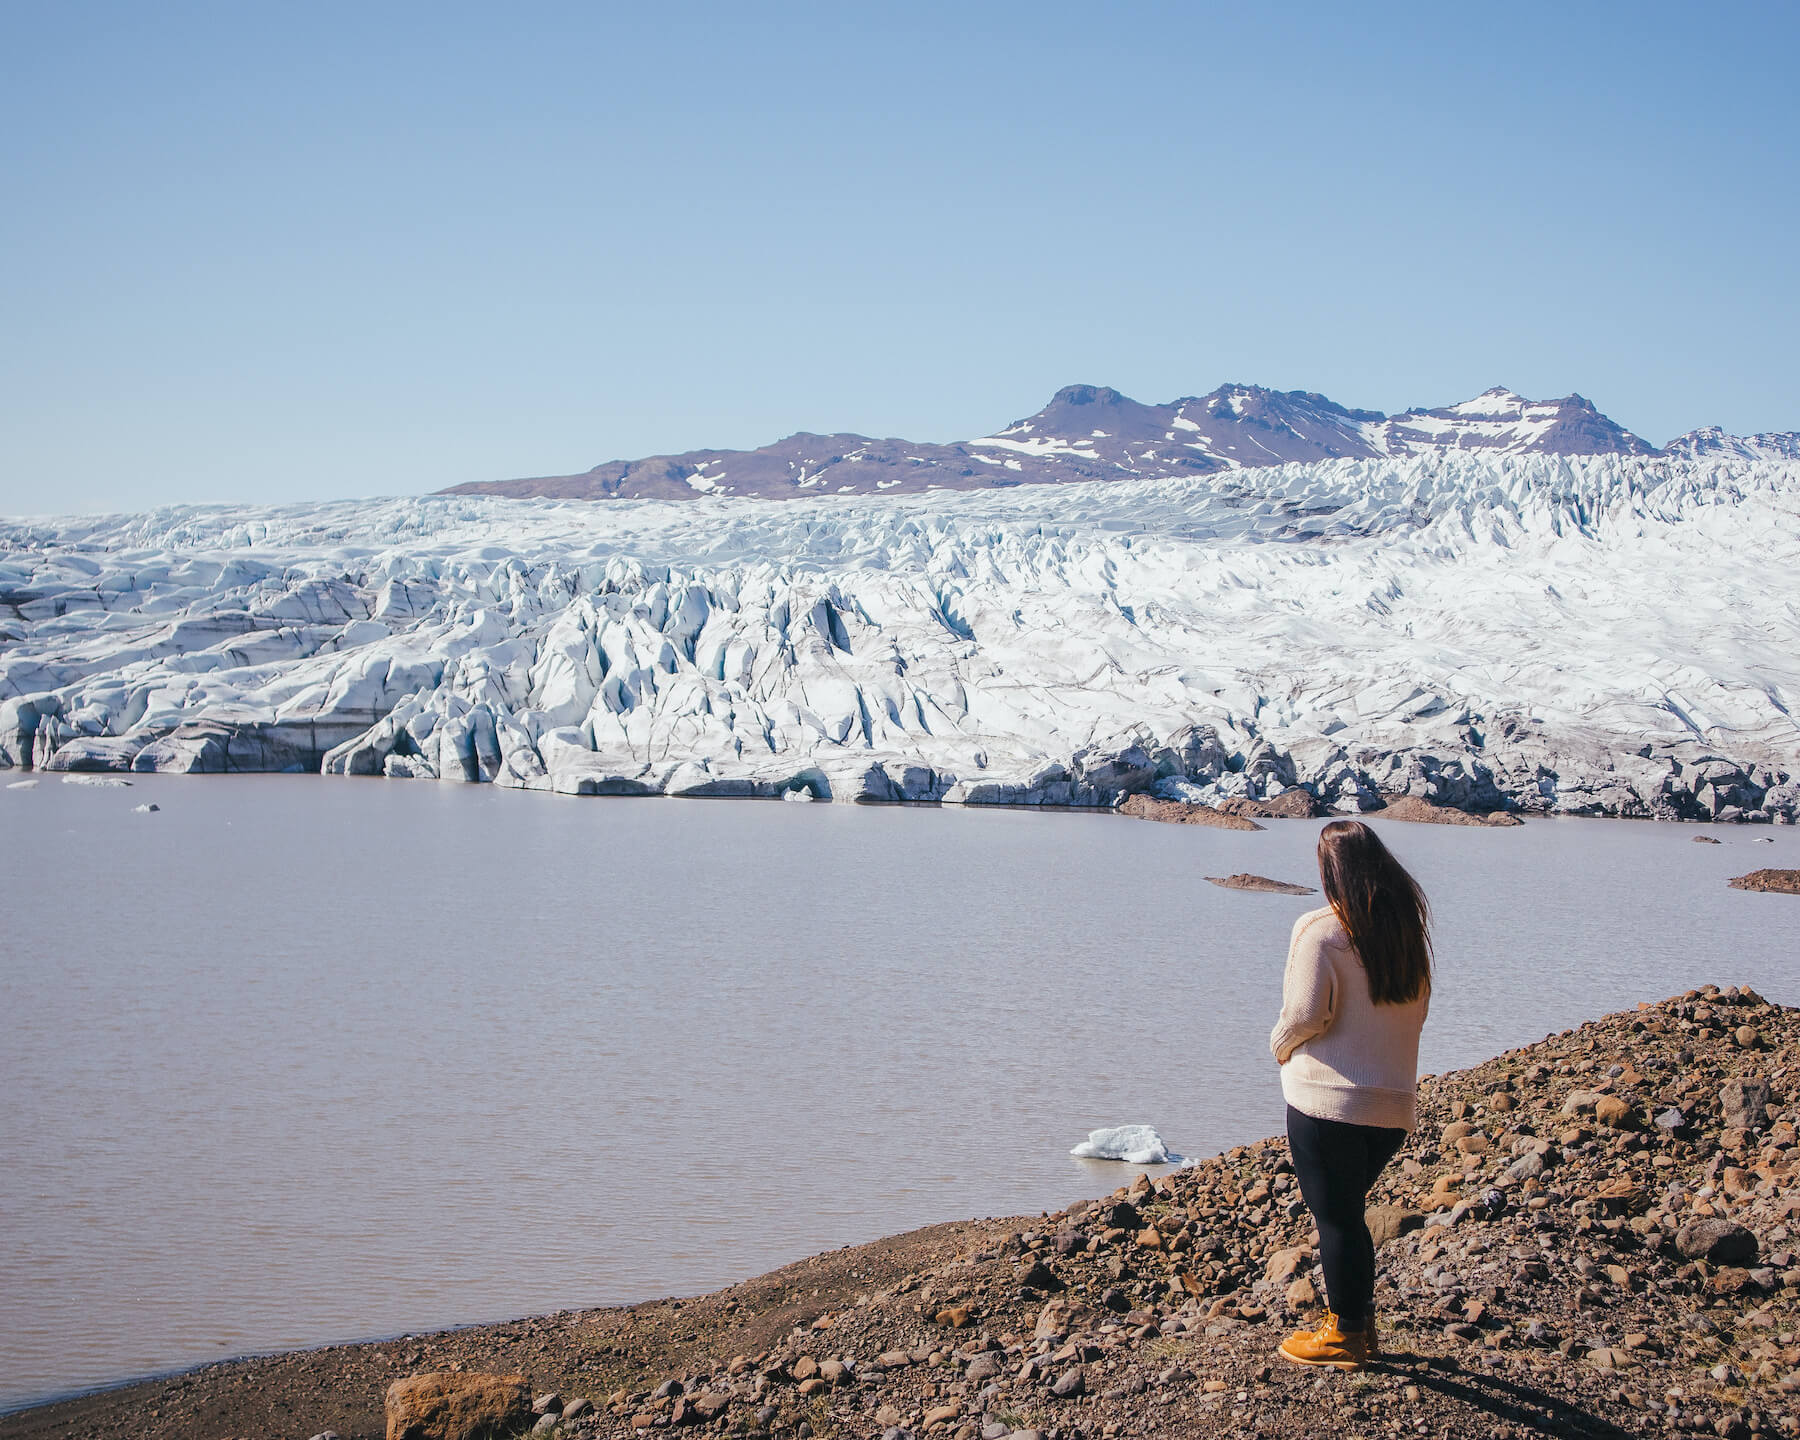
<point x="1134" y="1144"/>
<point x="1572" y="634"/>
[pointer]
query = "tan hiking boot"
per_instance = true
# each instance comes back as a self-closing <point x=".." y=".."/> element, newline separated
<point x="1328" y="1345"/>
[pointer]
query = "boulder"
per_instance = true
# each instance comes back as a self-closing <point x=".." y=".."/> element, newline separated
<point x="1283" y="1265"/>
<point x="448" y="1405"/>
<point x="1719" y="1242"/>
<point x="1615" y="1114"/>
<point x="1744" y="1103"/>
<point x="1061" y="1317"/>
<point x="1388" y="1222"/>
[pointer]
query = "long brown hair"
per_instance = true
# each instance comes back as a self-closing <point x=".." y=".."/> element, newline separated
<point x="1382" y="908"/>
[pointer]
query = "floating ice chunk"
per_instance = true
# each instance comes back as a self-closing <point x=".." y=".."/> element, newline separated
<point x="22" y="785"/>
<point x="1134" y="1144"/>
<point x="149" y="809"/>
<point x="802" y="797"/>
<point x="102" y="782"/>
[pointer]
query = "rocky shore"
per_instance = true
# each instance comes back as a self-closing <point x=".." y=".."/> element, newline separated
<point x="1591" y="1235"/>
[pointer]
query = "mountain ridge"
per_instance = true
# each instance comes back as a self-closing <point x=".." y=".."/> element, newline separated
<point x="1094" y="432"/>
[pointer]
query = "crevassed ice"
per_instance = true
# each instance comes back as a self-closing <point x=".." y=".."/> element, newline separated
<point x="1578" y="634"/>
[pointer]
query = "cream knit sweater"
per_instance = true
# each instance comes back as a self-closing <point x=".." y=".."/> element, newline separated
<point x="1342" y="1056"/>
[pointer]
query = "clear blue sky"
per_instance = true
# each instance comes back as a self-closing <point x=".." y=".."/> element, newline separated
<point x="270" y="252"/>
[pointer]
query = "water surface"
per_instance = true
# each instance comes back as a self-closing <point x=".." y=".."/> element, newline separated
<point x="298" y="1060"/>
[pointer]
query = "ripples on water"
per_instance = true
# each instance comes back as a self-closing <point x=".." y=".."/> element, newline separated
<point x="297" y="1060"/>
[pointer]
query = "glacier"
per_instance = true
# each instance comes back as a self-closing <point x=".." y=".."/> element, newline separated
<point x="1606" y="634"/>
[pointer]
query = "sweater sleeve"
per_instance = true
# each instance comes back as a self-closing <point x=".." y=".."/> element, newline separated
<point x="1308" y="991"/>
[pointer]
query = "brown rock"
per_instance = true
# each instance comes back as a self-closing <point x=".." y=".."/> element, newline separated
<point x="804" y="1368"/>
<point x="1178" y="812"/>
<point x="448" y="1405"/>
<point x="1302" y="1293"/>
<point x="1411" y="807"/>
<point x="1444" y="1191"/>
<point x="1061" y="1317"/>
<point x="1285" y="1264"/>
<point x="1260" y="883"/>
<point x="942" y="1415"/>
<point x="1621" y="1194"/>
<point x="1388" y="1222"/>
<point x="1150" y="1238"/>
<point x="1615" y="1114"/>
<point x="1293" y="804"/>
<point x="956" y="1317"/>
<point x="1773" y="882"/>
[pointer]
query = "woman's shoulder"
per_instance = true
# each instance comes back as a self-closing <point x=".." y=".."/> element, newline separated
<point x="1321" y="925"/>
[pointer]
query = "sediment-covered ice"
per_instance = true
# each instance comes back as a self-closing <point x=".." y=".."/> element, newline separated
<point x="1134" y="1144"/>
<point x="1613" y="634"/>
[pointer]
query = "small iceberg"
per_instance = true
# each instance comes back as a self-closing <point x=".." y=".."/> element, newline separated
<point x="150" y="809"/>
<point x="21" y="785"/>
<point x="99" y="782"/>
<point x="1134" y="1144"/>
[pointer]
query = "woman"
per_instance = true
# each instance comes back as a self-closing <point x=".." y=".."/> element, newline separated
<point x="1353" y="1001"/>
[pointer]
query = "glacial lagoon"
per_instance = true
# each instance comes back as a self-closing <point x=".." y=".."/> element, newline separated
<point x="294" y="1060"/>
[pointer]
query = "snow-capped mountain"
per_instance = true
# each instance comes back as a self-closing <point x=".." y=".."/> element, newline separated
<point x="1711" y="440"/>
<point x="1570" y="633"/>
<point x="1091" y="432"/>
<point x="1499" y="421"/>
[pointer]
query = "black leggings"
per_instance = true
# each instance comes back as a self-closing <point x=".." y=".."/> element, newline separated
<point x="1337" y="1163"/>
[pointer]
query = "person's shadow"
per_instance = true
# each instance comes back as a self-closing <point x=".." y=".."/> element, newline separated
<point x="1504" y="1399"/>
